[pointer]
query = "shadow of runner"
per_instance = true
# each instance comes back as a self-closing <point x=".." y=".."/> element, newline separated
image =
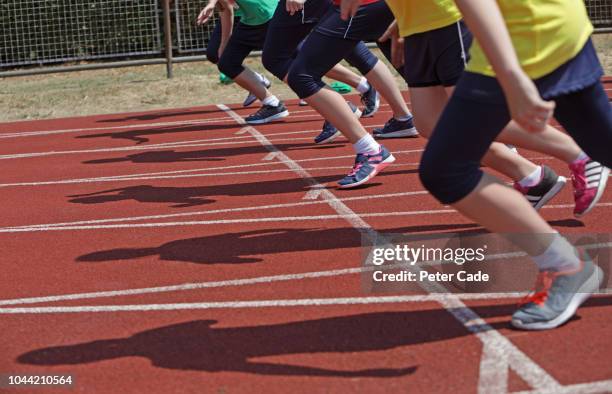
<point x="214" y="154"/>
<point x="139" y="135"/>
<point x="249" y="246"/>
<point x="198" y="345"/>
<point x="193" y="196"/>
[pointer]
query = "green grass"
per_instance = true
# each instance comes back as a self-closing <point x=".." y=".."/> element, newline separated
<point x="144" y="88"/>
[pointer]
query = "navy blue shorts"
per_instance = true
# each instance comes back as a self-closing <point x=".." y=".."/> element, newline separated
<point x="244" y="40"/>
<point x="437" y="57"/>
<point x="333" y="40"/>
<point x="477" y="112"/>
<point x="214" y="42"/>
<point x="287" y="32"/>
<point x="368" y="24"/>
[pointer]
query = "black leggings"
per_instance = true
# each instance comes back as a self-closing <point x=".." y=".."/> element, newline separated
<point x="450" y="166"/>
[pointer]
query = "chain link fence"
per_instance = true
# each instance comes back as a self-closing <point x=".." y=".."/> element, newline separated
<point x="600" y="12"/>
<point x="47" y="31"/>
<point x="191" y="38"/>
<point x="43" y="32"/>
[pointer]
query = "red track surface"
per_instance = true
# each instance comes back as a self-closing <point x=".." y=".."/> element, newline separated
<point x="192" y="162"/>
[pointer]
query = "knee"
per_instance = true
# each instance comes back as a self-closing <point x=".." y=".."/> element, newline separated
<point x="212" y="57"/>
<point x="270" y="63"/>
<point x="229" y="67"/>
<point x="448" y="182"/>
<point x="303" y="83"/>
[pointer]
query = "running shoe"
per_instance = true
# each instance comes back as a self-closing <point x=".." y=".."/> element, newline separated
<point x="371" y="102"/>
<point x="549" y="186"/>
<point x="250" y="98"/>
<point x="330" y="132"/>
<point x="589" y="179"/>
<point x="396" y="129"/>
<point x="366" y="167"/>
<point x="557" y="296"/>
<point x="268" y="113"/>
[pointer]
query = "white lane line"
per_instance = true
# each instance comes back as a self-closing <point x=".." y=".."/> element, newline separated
<point x="217" y="211"/>
<point x="501" y="346"/>
<point x="347" y="216"/>
<point x="603" y="386"/>
<point x="165" y="174"/>
<point x="252" y="304"/>
<point x="63" y="227"/>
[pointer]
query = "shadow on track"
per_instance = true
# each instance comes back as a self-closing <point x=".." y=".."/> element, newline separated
<point x="214" y="154"/>
<point x="140" y="135"/>
<point x="253" y="246"/>
<point x="182" y="197"/>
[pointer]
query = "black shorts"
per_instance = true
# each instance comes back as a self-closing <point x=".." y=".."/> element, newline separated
<point x="437" y="57"/>
<point x="244" y="40"/>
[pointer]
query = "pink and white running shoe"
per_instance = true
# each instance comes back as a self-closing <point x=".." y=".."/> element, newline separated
<point x="589" y="179"/>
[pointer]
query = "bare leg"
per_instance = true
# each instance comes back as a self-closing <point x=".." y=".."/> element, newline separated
<point x="344" y="74"/>
<point x="249" y="81"/>
<point x="332" y="107"/>
<point x="551" y="141"/>
<point x="381" y="78"/>
<point x="503" y="210"/>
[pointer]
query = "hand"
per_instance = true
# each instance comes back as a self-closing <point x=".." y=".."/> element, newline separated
<point x="526" y="106"/>
<point x="348" y="8"/>
<point x="397" y="44"/>
<point x="294" y="6"/>
<point x="206" y="13"/>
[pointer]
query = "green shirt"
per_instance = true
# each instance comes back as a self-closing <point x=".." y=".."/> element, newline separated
<point x="256" y="12"/>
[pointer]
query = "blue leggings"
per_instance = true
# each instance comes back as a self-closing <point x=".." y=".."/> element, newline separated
<point x="286" y="33"/>
<point x="450" y="166"/>
<point x="333" y="40"/>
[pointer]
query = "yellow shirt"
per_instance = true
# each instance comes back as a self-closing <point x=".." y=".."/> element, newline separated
<point x="545" y="33"/>
<point x="418" y="16"/>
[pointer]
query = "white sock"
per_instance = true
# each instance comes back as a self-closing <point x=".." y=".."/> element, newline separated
<point x="363" y="85"/>
<point x="560" y="256"/>
<point x="404" y="118"/>
<point x="271" y="100"/>
<point x="580" y="157"/>
<point x="367" y="145"/>
<point x="532" y="179"/>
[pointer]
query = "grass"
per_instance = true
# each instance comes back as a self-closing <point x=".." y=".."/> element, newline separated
<point x="144" y="88"/>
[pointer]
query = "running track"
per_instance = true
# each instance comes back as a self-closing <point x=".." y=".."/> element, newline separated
<point x="180" y="250"/>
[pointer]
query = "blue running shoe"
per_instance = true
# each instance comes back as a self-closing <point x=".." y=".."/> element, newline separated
<point x="557" y="297"/>
<point x="250" y="98"/>
<point x="267" y="113"/>
<point x="396" y="129"/>
<point x="371" y="102"/>
<point x="330" y="132"/>
<point x="366" y="167"/>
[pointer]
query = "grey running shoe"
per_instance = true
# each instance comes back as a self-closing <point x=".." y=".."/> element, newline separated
<point x="557" y="297"/>
<point x="549" y="186"/>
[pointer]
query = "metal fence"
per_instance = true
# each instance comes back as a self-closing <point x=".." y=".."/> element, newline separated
<point x="45" y="31"/>
<point x="600" y="12"/>
<point x="124" y="32"/>
<point x="191" y="38"/>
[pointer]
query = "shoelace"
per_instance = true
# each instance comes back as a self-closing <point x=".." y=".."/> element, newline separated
<point x="365" y="99"/>
<point x="579" y="181"/>
<point x="543" y="284"/>
<point x="359" y="161"/>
